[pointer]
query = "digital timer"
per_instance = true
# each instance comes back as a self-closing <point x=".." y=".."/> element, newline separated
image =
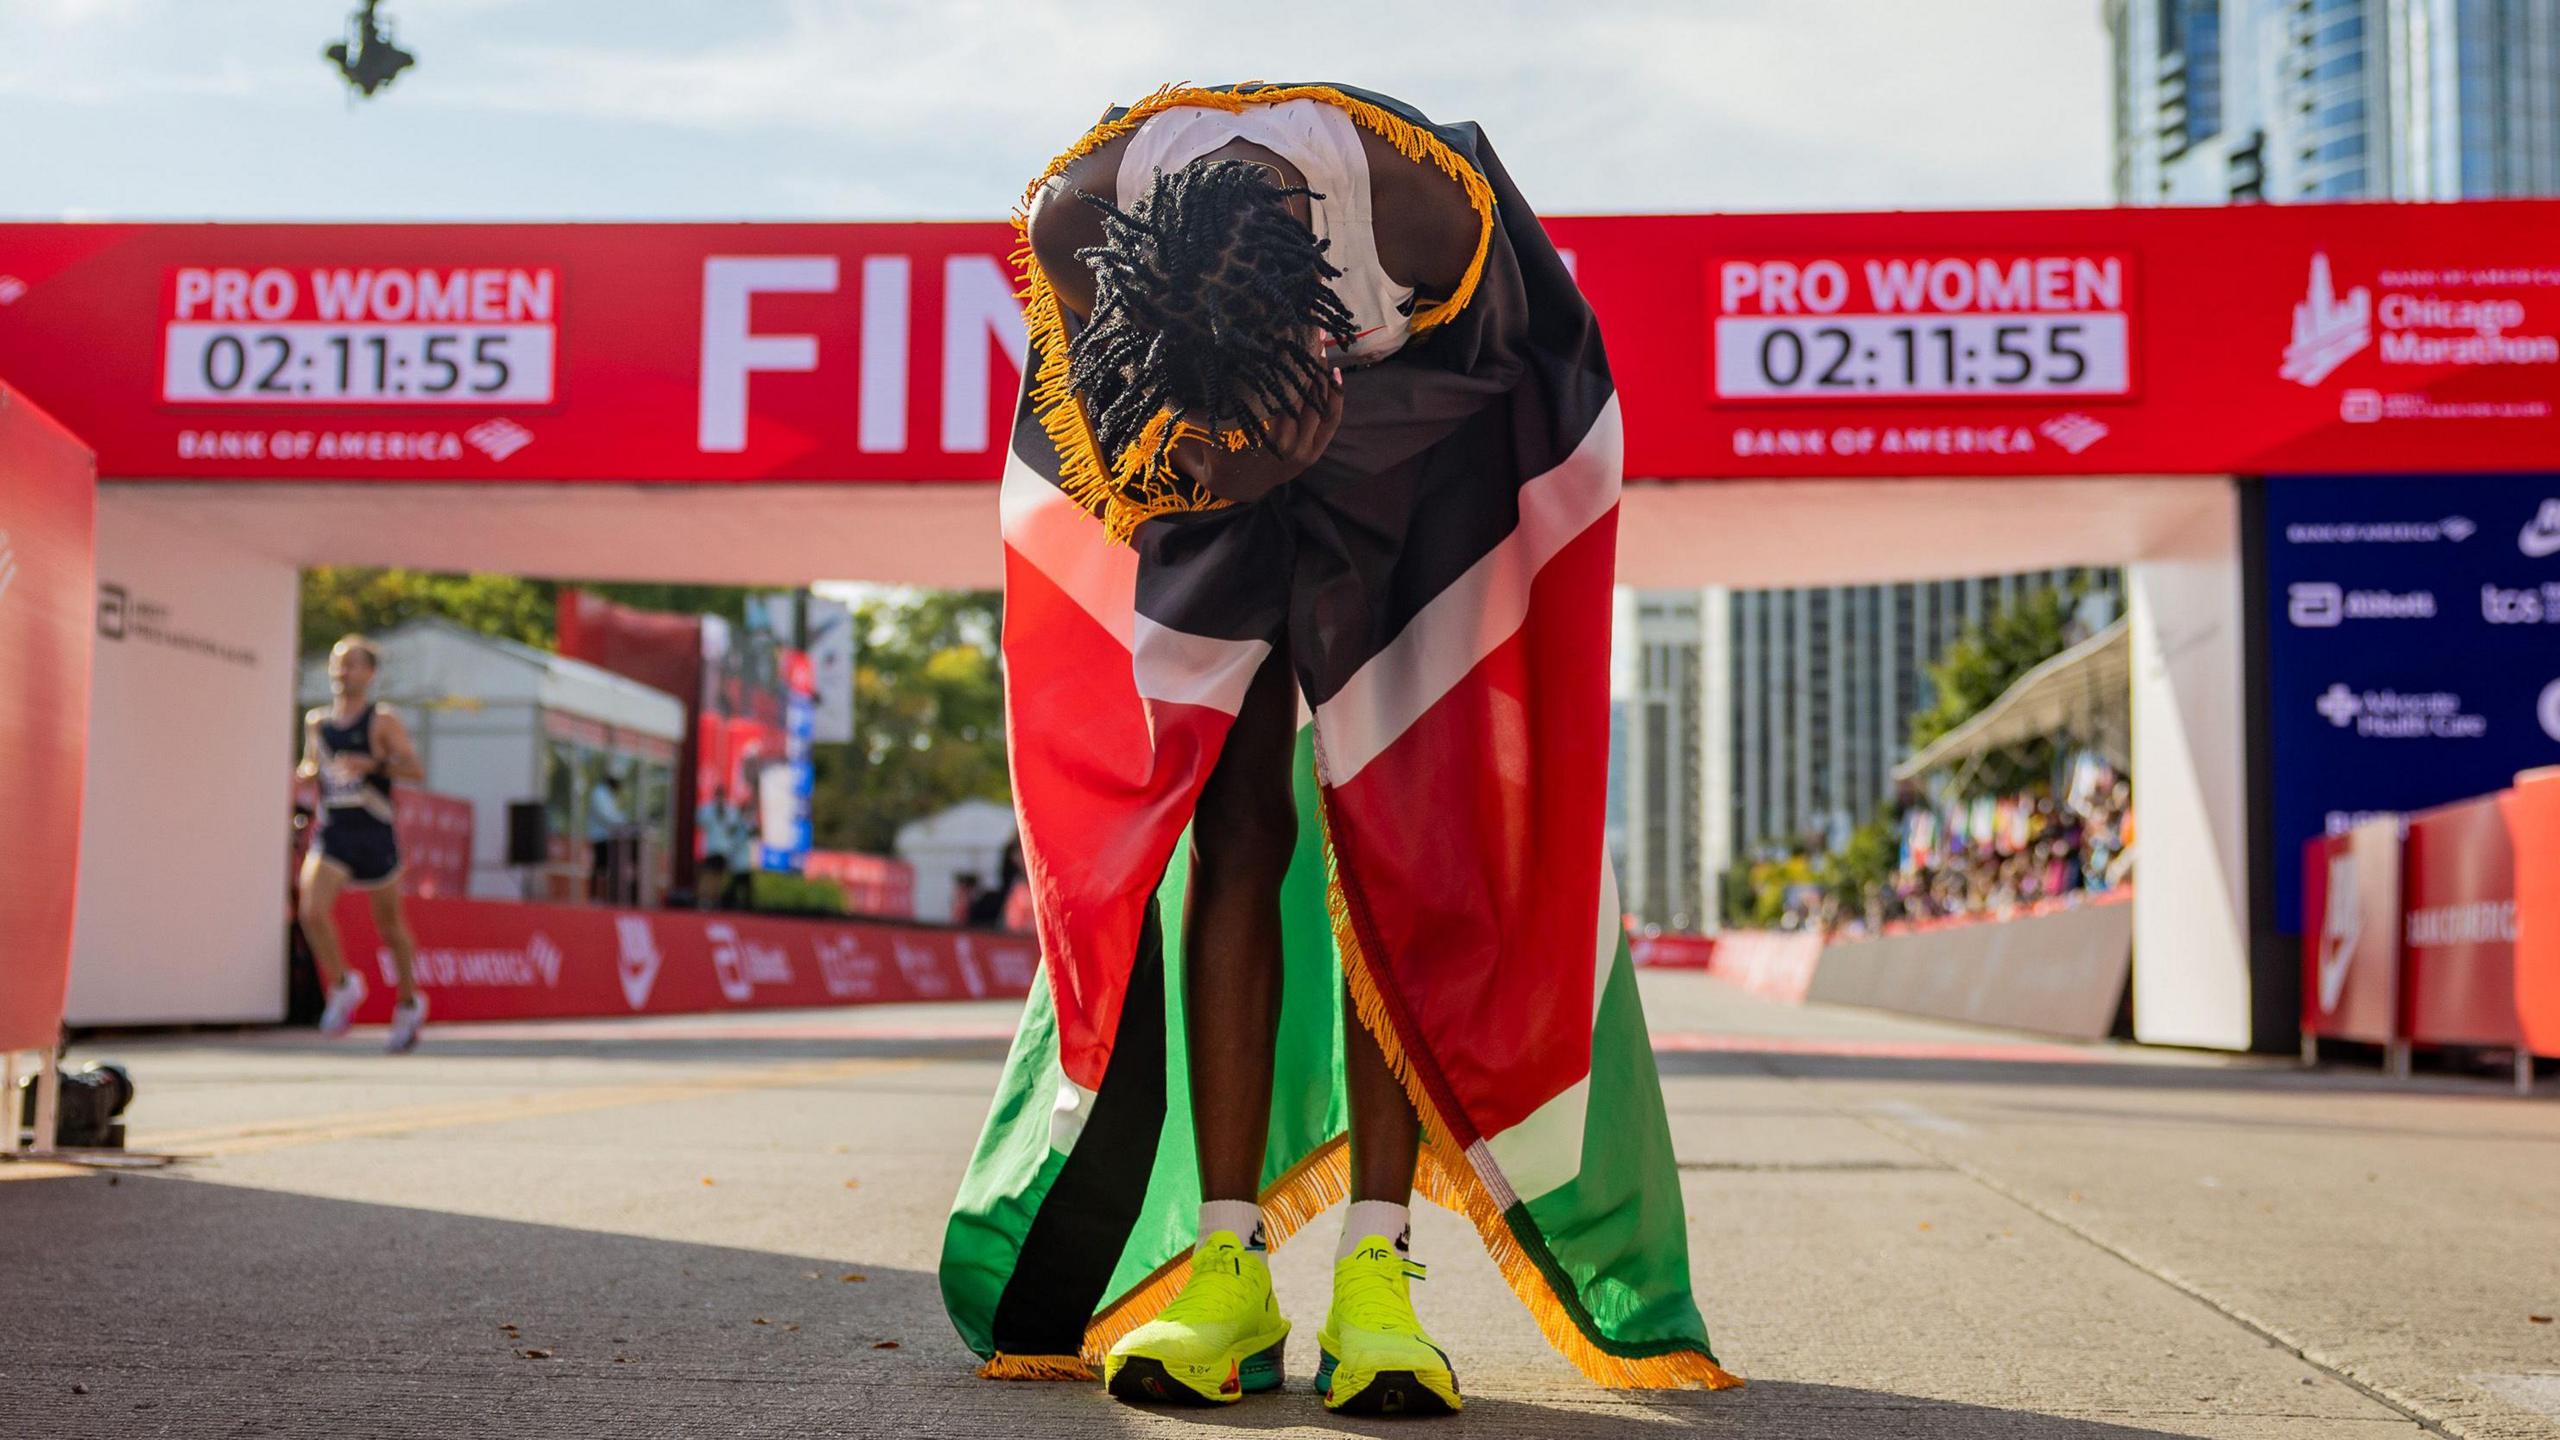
<point x="302" y="363"/>
<point x="1846" y="328"/>
<point x="1790" y="357"/>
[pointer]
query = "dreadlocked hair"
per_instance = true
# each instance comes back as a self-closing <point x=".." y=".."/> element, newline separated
<point x="1204" y="294"/>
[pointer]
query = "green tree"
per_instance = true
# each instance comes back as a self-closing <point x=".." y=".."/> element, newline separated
<point x="928" y="715"/>
<point x="1986" y="661"/>
<point x="1869" y="857"/>
<point x="340" y="599"/>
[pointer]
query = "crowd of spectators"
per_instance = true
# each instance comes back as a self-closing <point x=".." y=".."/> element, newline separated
<point x="1991" y="857"/>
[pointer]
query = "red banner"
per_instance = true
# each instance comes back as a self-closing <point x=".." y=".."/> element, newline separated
<point x="48" y="604"/>
<point x="2351" y="933"/>
<point x="490" y="960"/>
<point x="1773" y="964"/>
<point x="2380" y="338"/>
<point x="2458" y="974"/>
<point x="2533" y="817"/>
<point x="435" y="843"/>
<point x="1672" y="951"/>
<point x="872" y="884"/>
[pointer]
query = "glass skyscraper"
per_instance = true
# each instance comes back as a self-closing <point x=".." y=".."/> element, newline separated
<point x="1754" y="722"/>
<point x="2335" y="99"/>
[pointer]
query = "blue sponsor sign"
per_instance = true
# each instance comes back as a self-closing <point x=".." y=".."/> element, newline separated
<point x="799" y="723"/>
<point x="2413" y="649"/>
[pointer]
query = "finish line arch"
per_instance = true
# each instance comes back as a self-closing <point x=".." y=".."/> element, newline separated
<point x="1811" y="399"/>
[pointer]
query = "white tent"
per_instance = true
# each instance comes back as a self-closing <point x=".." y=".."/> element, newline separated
<point x="967" y="839"/>
<point x="2086" y="693"/>
<point x="498" y="722"/>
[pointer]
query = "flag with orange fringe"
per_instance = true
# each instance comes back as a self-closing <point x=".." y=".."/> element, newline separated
<point x="1442" y="579"/>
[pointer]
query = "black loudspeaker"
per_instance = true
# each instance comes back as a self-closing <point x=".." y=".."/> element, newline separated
<point x="528" y="832"/>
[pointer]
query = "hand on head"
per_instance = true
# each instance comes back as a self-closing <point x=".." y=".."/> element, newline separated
<point x="1297" y="440"/>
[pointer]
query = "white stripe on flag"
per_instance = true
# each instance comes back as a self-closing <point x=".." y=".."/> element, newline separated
<point x="1545" y="1149"/>
<point x="1480" y="609"/>
<point x="1067" y="545"/>
<point x="1064" y="543"/>
<point x="1187" y="669"/>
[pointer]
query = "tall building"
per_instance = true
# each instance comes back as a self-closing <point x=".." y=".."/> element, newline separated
<point x="1750" y="721"/>
<point x="2334" y="99"/>
<point x="1656" y="744"/>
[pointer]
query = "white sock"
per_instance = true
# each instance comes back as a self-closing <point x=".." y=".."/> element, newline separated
<point x="1242" y="1217"/>
<point x="1375" y="1217"/>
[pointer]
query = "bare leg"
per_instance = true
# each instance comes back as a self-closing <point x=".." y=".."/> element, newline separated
<point x="393" y="923"/>
<point x="1247" y="825"/>
<point x="321" y="882"/>
<point x="1386" y="1135"/>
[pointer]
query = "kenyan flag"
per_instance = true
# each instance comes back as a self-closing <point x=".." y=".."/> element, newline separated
<point x="1442" y="578"/>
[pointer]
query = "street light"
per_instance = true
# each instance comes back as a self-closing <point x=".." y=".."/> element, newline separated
<point x="367" y="59"/>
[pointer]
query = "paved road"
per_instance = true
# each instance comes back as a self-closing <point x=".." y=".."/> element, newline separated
<point x="727" y="1227"/>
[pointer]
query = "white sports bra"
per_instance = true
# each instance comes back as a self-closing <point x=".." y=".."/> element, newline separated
<point x="1325" y="146"/>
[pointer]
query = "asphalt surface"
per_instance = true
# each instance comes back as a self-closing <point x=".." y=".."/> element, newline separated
<point x="727" y="1227"/>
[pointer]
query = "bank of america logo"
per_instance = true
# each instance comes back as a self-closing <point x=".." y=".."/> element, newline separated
<point x="11" y="287"/>
<point x="8" y="563"/>
<point x="2074" y="432"/>
<point x="2328" y="328"/>
<point x="2340" y="706"/>
<point x="498" y="439"/>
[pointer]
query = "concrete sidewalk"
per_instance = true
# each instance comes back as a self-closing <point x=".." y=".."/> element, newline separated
<point x="727" y="1227"/>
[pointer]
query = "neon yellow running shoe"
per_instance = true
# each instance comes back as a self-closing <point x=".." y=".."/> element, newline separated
<point x="1218" y="1341"/>
<point x="1376" y="1358"/>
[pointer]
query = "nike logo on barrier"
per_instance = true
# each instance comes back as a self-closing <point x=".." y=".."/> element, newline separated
<point x="2541" y="536"/>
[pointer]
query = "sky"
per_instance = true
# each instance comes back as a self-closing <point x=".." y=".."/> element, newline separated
<point x="885" y="109"/>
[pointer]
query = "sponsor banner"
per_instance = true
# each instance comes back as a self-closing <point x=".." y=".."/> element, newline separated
<point x="493" y="960"/>
<point x="1774" y="964"/>
<point x="2059" y="973"/>
<point x="435" y="842"/>
<point x="2147" y="341"/>
<point x="48" y="598"/>
<point x="2351" y="933"/>
<point x="1672" y="951"/>
<point x="872" y="884"/>
<point x="2458" y="929"/>
<point x="2533" y="822"/>
<point x="2413" y="646"/>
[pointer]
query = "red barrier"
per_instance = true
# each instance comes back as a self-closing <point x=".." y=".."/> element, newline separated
<point x="435" y="843"/>
<point x="48" y="605"/>
<point x="1673" y="951"/>
<point x="1773" y="964"/>
<point x="2458" y="960"/>
<point x="2351" y="934"/>
<point x="492" y="960"/>
<point x="2533" y="817"/>
<point x="873" y="884"/>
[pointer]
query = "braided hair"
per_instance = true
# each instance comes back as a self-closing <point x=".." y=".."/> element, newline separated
<point x="1204" y="294"/>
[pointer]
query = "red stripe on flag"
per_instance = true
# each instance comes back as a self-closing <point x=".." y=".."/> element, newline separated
<point x="1103" y="783"/>
<point x="1474" y="843"/>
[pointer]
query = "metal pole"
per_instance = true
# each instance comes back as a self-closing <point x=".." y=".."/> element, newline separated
<point x="48" y="1103"/>
<point x="2524" y="1071"/>
<point x="9" y="1096"/>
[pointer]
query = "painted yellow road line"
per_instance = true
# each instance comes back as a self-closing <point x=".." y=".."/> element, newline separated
<point x="542" y="1104"/>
